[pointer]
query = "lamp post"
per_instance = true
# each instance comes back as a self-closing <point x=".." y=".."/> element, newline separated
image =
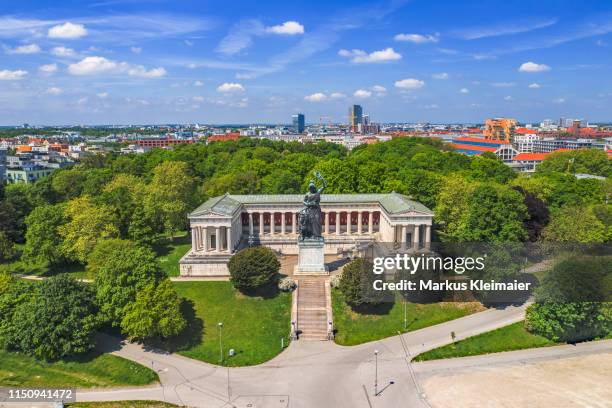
<point x="375" y="373"/>
<point x="220" y="343"/>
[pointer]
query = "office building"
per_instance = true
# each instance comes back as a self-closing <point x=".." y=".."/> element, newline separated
<point x="299" y="123"/>
<point x="355" y="118"/>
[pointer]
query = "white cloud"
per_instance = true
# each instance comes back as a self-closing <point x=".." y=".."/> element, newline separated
<point x="464" y="91"/>
<point x="534" y="86"/>
<point x="559" y="100"/>
<point x="379" y="89"/>
<point x="503" y="84"/>
<point x="362" y="94"/>
<point x="287" y="28"/>
<point x="362" y="57"/>
<point x="316" y="97"/>
<point x="409" y="83"/>
<point x="48" y="68"/>
<point x="67" y="30"/>
<point x="102" y="95"/>
<point x="100" y="65"/>
<point x="136" y="50"/>
<point x="198" y="99"/>
<point x="198" y="83"/>
<point x="6" y="75"/>
<point x="63" y="52"/>
<point x="416" y="38"/>
<point x="441" y="75"/>
<point x="337" y="95"/>
<point x="142" y="72"/>
<point x="230" y="87"/>
<point x="508" y="98"/>
<point x="24" y="49"/>
<point x="533" y="67"/>
<point x="53" y="91"/>
<point x="93" y="66"/>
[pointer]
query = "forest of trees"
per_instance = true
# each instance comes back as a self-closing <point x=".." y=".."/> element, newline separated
<point x="125" y="203"/>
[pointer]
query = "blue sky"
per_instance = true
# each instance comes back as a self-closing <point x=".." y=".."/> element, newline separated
<point x="156" y="61"/>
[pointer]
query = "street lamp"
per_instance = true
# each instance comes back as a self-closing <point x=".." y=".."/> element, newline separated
<point x="220" y="343"/>
<point x="376" y="373"/>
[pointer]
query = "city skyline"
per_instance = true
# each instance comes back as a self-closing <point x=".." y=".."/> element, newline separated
<point x="147" y="62"/>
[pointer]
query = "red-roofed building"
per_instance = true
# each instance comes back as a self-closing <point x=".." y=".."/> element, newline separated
<point x="223" y="138"/>
<point x="161" y="143"/>
<point x="473" y="146"/>
<point x="528" y="161"/>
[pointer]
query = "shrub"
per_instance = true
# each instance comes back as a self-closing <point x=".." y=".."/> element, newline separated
<point x="252" y="268"/>
<point x="356" y="284"/>
<point x="286" y="284"/>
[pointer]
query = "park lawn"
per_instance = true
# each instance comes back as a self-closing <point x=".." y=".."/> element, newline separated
<point x="508" y="338"/>
<point x="252" y="325"/>
<point x="19" y="267"/>
<point x="169" y="252"/>
<point x="96" y="370"/>
<point x="388" y="319"/>
<point x="121" y="404"/>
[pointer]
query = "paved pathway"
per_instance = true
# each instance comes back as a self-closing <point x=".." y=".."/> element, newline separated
<point x="307" y="374"/>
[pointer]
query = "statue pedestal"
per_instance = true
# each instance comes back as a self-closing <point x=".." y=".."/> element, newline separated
<point x="310" y="258"/>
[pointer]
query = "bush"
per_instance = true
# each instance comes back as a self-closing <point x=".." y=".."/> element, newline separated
<point x="286" y="284"/>
<point x="253" y="268"/>
<point x="356" y="284"/>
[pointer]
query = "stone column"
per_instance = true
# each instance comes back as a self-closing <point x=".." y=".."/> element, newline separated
<point x="250" y="223"/>
<point x="427" y="236"/>
<point x="194" y="238"/>
<point x="272" y="223"/>
<point x="283" y="223"/>
<point x="261" y="223"/>
<point x="403" y="237"/>
<point x="228" y="232"/>
<point x="218" y="239"/>
<point x="337" y="222"/>
<point x="359" y="221"/>
<point x="294" y="223"/>
<point x="349" y="225"/>
<point x="370" y="222"/>
<point x="415" y="238"/>
<point x="327" y="222"/>
<point x="204" y="232"/>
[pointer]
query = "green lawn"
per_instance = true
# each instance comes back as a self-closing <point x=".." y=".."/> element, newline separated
<point x="387" y="319"/>
<point x="104" y="370"/>
<point x="169" y="252"/>
<point x="512" y="337"/>
<point x="18" y="267"/>
<point x="252" y="325"/>
<point x="121" y="404"/>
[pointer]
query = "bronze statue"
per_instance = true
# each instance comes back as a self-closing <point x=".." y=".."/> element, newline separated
<point x="309" y="219"/>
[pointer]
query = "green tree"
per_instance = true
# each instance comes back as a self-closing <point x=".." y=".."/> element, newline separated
<point x="590" y="161"/>
<point x="43" y="240"/>
<point x="156" y="313"/>
<point x="103" y="249"/>
<point x="252" y="268"/>
<point x="124" y="273"/>
<point x="13" y="211"/>
<point x="485" y="168"/>
<point x="356" y="284"/>
<point x="170" y="195"/>
<point x="86" y="224"/>
<point x="573" y="301"/>
<point x="60" y="320"/>
<point x="575" y="224"/>
<point x="7" y="248"/>
<point x="341" y="176"/>
<point x="124" y="194"/>
<point x="13" y="293"/>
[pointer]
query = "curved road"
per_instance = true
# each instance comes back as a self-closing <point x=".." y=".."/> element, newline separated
<point x="307" y="374"/>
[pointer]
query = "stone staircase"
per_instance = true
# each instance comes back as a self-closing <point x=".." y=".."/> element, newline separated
<point x="313" y="308"/>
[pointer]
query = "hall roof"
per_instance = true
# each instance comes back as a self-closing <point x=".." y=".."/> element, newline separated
<point x="393" y="203"/>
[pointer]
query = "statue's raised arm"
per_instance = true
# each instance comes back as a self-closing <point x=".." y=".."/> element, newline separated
<point x="323" y="183"/>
